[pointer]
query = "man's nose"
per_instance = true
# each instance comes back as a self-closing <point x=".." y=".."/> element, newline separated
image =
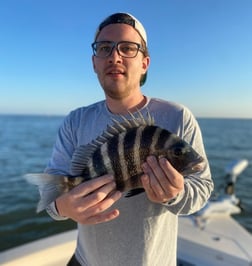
<point x="115" y="55"/>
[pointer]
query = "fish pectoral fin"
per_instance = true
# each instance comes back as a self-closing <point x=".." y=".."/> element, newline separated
<point x="134" y="192"/>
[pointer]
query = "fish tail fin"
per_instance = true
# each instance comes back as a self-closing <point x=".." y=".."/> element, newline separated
<point x="42" y="179"/>
<point x="57" y="185"/>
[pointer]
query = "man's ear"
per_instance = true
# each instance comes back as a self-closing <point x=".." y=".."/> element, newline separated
<point x="146" y="63"/>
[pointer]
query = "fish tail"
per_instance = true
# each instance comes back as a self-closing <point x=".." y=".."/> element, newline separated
<point x="56" y="185"/>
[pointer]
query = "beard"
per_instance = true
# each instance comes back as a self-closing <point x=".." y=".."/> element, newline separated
<point x="116" y="89"/>
<point x="115" y="93"/>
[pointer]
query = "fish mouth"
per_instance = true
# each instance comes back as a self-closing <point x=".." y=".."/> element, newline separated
<point x="194" y="167"/>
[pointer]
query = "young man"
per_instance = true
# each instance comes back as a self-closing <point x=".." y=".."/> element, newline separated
<point x="114" y="230"/>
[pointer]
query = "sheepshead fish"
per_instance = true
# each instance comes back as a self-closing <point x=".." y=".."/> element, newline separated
<point x="120" y="151"/>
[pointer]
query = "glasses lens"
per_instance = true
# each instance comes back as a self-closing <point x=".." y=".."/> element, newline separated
<point x="128" y="49"/>
<point x="103" y="49"/>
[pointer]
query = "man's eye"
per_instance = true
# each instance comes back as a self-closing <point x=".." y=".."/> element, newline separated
<point x="127" y="48"/>
<point x="104" y="48"/>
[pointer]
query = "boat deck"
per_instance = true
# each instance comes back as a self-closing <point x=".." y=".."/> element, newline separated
<point x="51" y="251"/>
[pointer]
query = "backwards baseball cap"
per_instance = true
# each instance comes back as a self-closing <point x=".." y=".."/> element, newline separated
<point x="123" y="18"/>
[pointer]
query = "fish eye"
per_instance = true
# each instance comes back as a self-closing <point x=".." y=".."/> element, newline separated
<point x="178" y="151"/>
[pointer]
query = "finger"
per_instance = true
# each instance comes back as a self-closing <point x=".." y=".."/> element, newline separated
<point x="153" y="186"/>
<point x="102" y="206"/>
<point x="175" y="178"/>
<point x="154" y="165"/>
<point x="151" y="193"/>
<point x="146" y="185"/>
<point x="91" y="185"/>
<point x="160" y="181"/>
<point x="103" y="217"/>
<point x="98" y="195"/>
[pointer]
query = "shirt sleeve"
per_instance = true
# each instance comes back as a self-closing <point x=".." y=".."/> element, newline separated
<point x="59" y="163"/>
<point x="198" y="186"/>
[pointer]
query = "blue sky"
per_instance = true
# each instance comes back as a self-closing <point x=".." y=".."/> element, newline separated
<point x="201" y="54"/>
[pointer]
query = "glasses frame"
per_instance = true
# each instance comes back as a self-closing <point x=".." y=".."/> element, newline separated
<point x="115" y="45"/>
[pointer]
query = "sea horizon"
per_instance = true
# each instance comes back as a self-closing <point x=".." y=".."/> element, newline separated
<point x="64" y="115"/>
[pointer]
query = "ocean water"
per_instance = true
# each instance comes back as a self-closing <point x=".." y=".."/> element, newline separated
<point x="25" y="146"/>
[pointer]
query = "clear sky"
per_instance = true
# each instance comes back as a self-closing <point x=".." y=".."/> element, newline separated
<point x="201" y="54"/>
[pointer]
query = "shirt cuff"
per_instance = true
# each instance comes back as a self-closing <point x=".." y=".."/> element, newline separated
<point x="53" y="212"/>
<point x="175" y="199"/>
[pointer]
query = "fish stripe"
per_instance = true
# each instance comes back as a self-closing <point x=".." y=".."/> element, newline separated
<point x="112" y="151"/>
<point x="85" y="173"/>
<point x="155" y="138"/>
<point x="137" y="148"/>
<point x="92" y="171"/>
<point x="147" y="137"/>
<point x="122" y="159"/>
<point x="165" y="138"/>
<point x="129" y="158"/>
<point x="97" y="167"/>
<point x="106" y="159"/>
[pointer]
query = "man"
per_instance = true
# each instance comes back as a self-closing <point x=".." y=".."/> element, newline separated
<point x="114" y="230"/>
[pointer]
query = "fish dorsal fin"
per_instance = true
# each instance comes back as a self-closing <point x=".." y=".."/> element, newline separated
<point x="121" y="126"/>
<point x="83" y="153"/>
<point x="80" y="158"/>
<point x="136" y="121"/>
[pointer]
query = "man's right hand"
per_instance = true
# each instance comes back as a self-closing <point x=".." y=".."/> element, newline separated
<point x="88" y="203"/>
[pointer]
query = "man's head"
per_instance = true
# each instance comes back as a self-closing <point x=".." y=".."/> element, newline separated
<point x="127" y="19"/>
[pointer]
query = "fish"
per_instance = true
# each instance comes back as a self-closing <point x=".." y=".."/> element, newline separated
<point x="120" y="151"/>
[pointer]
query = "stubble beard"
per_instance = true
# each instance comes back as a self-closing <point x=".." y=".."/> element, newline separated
<point x="116" y="91"/>
<point x="116" y="95"/>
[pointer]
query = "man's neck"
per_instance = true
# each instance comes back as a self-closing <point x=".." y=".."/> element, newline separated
<point x="123" y="106"/>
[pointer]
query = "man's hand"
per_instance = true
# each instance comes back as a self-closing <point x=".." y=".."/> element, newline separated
<point x="88" y="203"/>
<point x="161" y="181"/>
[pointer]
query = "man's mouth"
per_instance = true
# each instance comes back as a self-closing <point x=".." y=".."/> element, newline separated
<point x="115" y="72"/>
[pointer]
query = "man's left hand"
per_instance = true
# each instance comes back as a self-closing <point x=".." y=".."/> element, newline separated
<point x="161" y="181"/>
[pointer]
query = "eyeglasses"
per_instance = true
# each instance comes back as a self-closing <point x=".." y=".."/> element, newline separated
<point x="125" y="49"/>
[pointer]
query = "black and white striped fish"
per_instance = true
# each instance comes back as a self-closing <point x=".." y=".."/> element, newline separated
<point x="120" y="151"/>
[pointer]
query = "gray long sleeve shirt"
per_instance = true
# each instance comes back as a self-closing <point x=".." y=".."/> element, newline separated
<point x="145" y="233"/>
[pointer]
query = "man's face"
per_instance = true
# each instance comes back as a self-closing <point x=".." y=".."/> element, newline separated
<point x="119" y="76"/>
